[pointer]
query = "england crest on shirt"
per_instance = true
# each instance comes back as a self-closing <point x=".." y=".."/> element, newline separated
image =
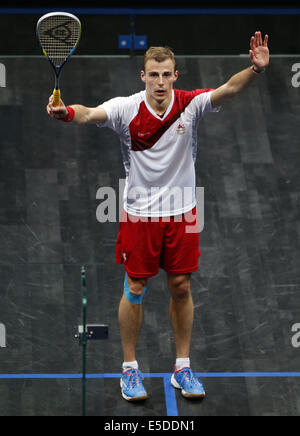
<point x="180" y="129"/>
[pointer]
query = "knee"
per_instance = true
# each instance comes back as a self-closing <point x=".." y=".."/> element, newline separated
<point x="134" y="289"/>
<point x="180" y="287"/>
<point x="137" y="288"/>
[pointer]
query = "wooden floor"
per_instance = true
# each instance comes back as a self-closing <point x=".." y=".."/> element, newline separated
<point x="246" y="291"/>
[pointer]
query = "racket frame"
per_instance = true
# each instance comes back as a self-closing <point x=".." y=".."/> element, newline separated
<point x="57" y="68"/>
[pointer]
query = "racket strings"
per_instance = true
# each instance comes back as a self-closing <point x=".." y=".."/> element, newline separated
<point x="58" y="36"/>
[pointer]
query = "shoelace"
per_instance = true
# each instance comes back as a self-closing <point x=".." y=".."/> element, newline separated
<point x="135" y="377"/>
<point x="189" y="377"/>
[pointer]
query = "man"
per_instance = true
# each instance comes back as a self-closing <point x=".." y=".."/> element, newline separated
<point x="158" y="129"/>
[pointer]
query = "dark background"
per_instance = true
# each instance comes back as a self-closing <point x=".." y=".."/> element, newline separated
<point x="155" y="3"/>
<point x="192" y="34"/>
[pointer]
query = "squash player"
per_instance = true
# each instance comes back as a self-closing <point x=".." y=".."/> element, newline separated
<point x="158" y="129"/>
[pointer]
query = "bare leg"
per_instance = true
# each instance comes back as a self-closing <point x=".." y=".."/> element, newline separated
<point x="181" y="312"/>
<point x="130" y="319"/>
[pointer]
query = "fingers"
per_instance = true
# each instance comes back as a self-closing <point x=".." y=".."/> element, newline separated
<point x="56" y="111"/>
<point x="256" y="40"/>
<point x="259" y="38"/>
<point x="51" y="98"/>
<point x="266" y="40"/>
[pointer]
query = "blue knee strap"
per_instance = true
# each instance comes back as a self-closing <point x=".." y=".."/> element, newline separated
<point x="135" y="299"/>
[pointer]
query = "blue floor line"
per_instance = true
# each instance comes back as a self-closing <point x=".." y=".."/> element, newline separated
<point x="247" y="374"/>
<point x="170" y="397"/>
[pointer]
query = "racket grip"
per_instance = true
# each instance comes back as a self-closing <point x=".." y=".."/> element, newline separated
<point x="56" y="97"/>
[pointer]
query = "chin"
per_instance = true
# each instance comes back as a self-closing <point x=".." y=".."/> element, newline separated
<point x="161" y="98"/>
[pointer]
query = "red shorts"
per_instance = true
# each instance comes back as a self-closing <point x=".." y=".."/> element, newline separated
<point x="146" y="244"/>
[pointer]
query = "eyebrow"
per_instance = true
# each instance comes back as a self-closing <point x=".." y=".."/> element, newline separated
<point x="157" y="72"/>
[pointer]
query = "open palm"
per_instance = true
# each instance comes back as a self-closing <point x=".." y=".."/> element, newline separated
<point x="259" y="52"/>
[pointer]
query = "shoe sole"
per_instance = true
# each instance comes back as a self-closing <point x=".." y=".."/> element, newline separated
<point x="185" y="394"/>
<point x="141" y="398"/>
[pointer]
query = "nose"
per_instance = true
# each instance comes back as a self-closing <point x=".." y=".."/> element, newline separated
<point x="161" y="82"/>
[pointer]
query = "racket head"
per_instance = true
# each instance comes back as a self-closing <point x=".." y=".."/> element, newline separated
<point x="58" y="34"/>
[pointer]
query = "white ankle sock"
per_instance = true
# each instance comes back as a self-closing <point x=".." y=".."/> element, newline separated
<point x="182" y="363"/>
<point x="127" y="365"/>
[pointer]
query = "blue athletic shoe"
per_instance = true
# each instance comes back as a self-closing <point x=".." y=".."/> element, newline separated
<point x="131" y="385"/>
<point x="190" y="386"/>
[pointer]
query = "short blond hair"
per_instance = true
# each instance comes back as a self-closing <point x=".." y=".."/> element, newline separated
<point x="159" y="54"/>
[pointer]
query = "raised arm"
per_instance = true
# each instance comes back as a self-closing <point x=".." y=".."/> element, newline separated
<point x="259" y="55"/>
<point x="82" y="114"/>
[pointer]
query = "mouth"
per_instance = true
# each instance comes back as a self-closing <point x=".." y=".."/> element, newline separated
<point x="160" y="92"/>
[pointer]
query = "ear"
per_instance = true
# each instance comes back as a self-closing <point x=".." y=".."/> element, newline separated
<point x="143" y="76"/>
<point x="176" y="74"/>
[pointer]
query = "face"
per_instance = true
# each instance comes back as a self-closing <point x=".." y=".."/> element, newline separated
<point x="159" y="78"/>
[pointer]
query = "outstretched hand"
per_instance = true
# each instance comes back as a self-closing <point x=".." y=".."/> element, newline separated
<point x="259" y="52"/>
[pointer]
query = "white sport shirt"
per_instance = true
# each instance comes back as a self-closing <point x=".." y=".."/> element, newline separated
<point x="159" y="153"/>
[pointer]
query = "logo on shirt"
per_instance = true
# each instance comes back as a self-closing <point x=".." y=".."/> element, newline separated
<point x="180" y="129"/>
